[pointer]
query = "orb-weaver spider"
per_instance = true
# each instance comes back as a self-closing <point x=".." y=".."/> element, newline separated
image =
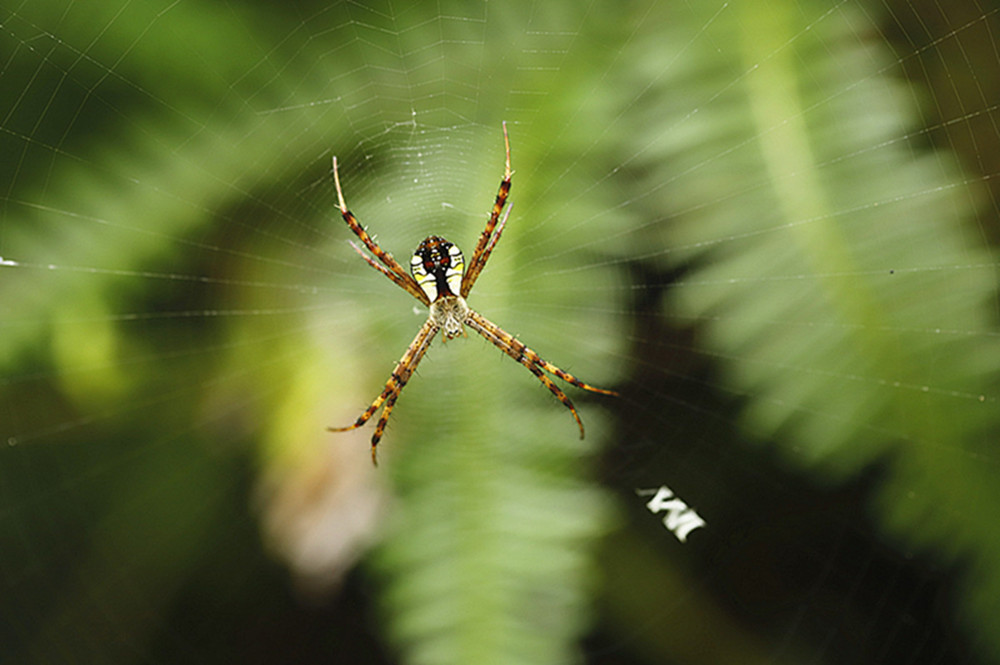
<point x="439" y="282"/>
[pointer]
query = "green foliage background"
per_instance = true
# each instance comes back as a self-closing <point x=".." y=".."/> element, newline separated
<point x="827" y="237"/>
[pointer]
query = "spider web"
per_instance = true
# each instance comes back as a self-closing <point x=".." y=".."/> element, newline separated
<point x="770" y="229"/>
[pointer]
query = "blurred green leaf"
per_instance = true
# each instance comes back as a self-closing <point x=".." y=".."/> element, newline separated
<point x="836" y="278"/>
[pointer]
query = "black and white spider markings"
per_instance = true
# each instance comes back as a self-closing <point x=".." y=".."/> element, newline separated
<point x="441" y="280"/>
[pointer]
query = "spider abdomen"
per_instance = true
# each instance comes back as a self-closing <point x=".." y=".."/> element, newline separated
<point x="437" y="265"/>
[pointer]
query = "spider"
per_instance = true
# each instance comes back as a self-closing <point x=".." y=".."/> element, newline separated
<point x="441" y="280"/>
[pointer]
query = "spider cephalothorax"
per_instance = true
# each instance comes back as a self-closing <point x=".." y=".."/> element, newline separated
<point x="441" y="282"/>
<point x="449" y="313"/>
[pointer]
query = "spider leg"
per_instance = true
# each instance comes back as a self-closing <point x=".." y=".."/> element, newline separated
<point x="516" y="349"/>
<point x="400" y="375"/>
<point x="480" y="255"/>
<point x="519" y="346"/>
<point x="380" y="426"/>
<point x="496" y="236"/>
<point x="399" y="276"/>
<point x="388" y="273"/>
<point x="566" y="376"/>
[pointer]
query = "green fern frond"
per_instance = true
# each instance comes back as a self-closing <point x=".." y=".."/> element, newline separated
<point x="837" y="278"/>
